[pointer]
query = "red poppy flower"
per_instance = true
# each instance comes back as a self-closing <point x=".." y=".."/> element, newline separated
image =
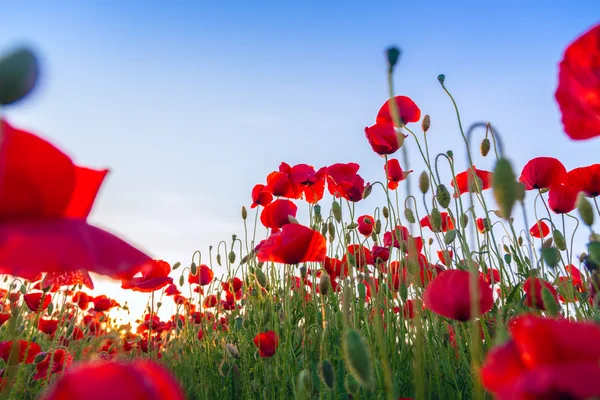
<point x="103" y="303"/>
<point x="408" y="309"/>
<point x="466" y="182"/>
<point x="82" y="300"/>
<point x="61" y="359"/>
<point x="172" y="290"/>
<point x="117" y="380"/>
<point x="204" y="276"/>
<point x="3" y="318"/>
<point x="210" y="301"/>
<point x="491" y="273"/>
<point x="343" y="181"/>
<point x="267" y="343"/>
<point x="365" y="224"/>
<point x="447" y="222"/>
<point x="449" y="295"/>
<point x="586" y="179"/>
<point x="399" y="238"/>
<point x="277" y="214"/>
<point x="445" y="256"/>
<point x="407" y="109"/>
<point x="23" y="351"/>
<point x="154" y="277"/>
<point x="384" y="138"/>
<point x="575" y="274"/>
<point x="261" y="196"/>
<point x="65" y="245"/>
<point x="482" y="225"/>
<point x="233" y="285"/>
<point x="335" y="267"/>
<point x="579" y="86"/>
<point x="292" y="245"/>
<point x="503" y="364"/>
<point x="361" y="255"/>
<point x="542" y="172"/>
<point x="280" y="185"/>
<point x="539" y="230"/>
<point x="48" y="326"/>
<point x="394" y="173"/>
<point x="380" y="254"/>
<point x="310" y="183"/>
<point x="534" y="297"/>
<point x="562" y="198"/>
<point x="68" y="278"/>
<point x="37" y="301"/>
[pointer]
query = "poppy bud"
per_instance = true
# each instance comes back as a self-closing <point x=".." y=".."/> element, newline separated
<point x="23" y="289"/>
<point x="377" y="229"/>
<point x="504" y="187"/>
<point x="351" y="226"/>
<point x="585" y="210"/>
<point x="244" y="213"/>
<point x="550" y="303"/>
<point x="40" y="357"/>
<point x="261" y="278"/>
<point x="19" y="72"/>
<point x="403" y="291"/>
<point x="426" y="123"/>
<point x="224" y="368"/>
<point x="336" y="209"/>
<point x="485" y="147"/>
<point x="304" y="385"/>
<point x="547" y="243"/>
<point x="506" y="249"/>
<point x="219" y="259"/>
<point x="303" y="271"/>
<point x="193" y="268"/>
<point x="324" y="284"/>
<point x="231" y="257"/>
<point x="358" y="359"/>
<point x="520" y="241"/>
<point x="424" y="182"/>
<point x="233" y="350"/>
<point x="551" y="256"/>
<point x="450" y="154"/>
<point x="374" y="237"/>
<point x="464" y="220"/>
<point x="392" y="54"/>
<point x="324" y="229"/>
<point x="593" y="253"/>
<point x="449" y="237"/>
<point x="351" y="384"/>
<point x="317" y="209"/>
<point x="441" y="78"/>
<point x="409" y="215"/>
<point x="559" y="240"/>
<point x="436" y="220"/>
<point x="520" y="188"/>
<point x="327" y="373"/>
<point x="367" y="192"/>
<point x="385" y="212"/>
<point x="175" y="266"/>
<point x="507" y="258"/>
<point x="443" y="196"/>
<point x="582" y="257"/>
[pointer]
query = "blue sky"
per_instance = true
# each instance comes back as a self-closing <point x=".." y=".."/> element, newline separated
<point x="192" y="103"/>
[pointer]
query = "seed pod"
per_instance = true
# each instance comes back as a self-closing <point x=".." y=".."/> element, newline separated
<point x="464" y="220"/>
<point x="19" y="72"/>
<point x="550" y="303"/>
<point x="436" y="220"/>
<point x="449" y="237"/>
<point x="559" y="240"/>
<point x="327" y="373"/>
<point x="504" y="187"/>
<point x="442" y="196"/>
<point x="585" y="210"/>
<point x="393" y="55"/>
<point x="324" y="284"/>
<point x="385" y="212"/>
<point x="231" y="257"/>
<point x="358" y="359"/>
<point x="336" y="209"/>
<point x="424" y="182"/>
<point x="485" y="147"/>
<point x="426" y="123"/>
<point x="409" y="215"/>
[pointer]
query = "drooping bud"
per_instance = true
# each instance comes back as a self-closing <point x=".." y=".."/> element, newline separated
<point x="324" y="284"/>
<point x="261" y="278"/>
<point x="327" y="373"/>
<point x="551" y="256"/>
<point x="19" y="72"/>
<point x="559" y="240"/>
<point x="436" y="220"/>
<point x="426" y="123"/>
<point x="393" y="55"/>
<point x="409" y="215"/>
<point x="450" y="154"/>
<point x="547" y="243"/>
<point x="585" y="210"/>
<point x="385" y="212"/>
<point x="504" y="187"/>
<point x="464" y="220"/>
<point x="231" y="257"/>
<point x="441" y="78"/>
<point x="377" y="229"/>
<point x="485" y="147"/>
<point x="367" y="192"/>
<point x="336" y="209"/>
<point x="193" y="268"/>
<point x="358" y="359"/>
<point x="449" y="237"/>
<point x="304" y="385"/>
<point x="424" y="182"/>
<point x="442" y="196"/>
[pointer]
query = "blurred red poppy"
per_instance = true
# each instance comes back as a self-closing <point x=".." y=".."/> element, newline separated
<point x="394" y="173"/>
<point x="48" y="326"/>
<point x="277" y="214"/>
<point x="446" y="225"/>
<point x="534" y="295"/>
<point x="204" y="276"/>
<point x="292" y="245"/>
<point x="449" y="295"/>
<point x="117" y="380"/>
<point x="335" y="268"/>
<point x="578" y="92"/>
<point x="407" y="109"/>
<point x="103" y="303"/>
<point x="542" y="173"/>
<point x="307" y="182"/>
<point x="343" y="181"/>
<point x="37" y="301"/>
<point x="384" y="138"/>
<point x="61" y="359"/>
<point x="466" y="182"/>
<point x="3" y="318"/>
<point x="261" y="196"/>
<point x="562" y="198"/>
<point x="22" y="351"/>
<point x="267" y="343"/>
<point x="539" y="230"/>
<point x="365" y="224"/>
<point x="68" y="278"/>
<point x="154" y="277"/>
<point x="82" y="300"/>
<point x="586" y="179"/>
<point x="360" y="254"/>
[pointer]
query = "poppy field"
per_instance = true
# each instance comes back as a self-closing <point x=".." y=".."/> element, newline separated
<point x="468" y="283"/>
